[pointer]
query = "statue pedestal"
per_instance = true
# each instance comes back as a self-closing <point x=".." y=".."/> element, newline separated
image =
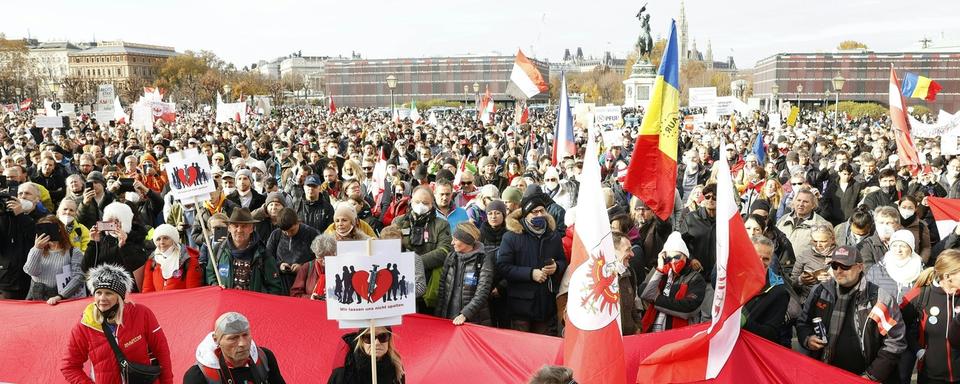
<point x="639" y="85"/>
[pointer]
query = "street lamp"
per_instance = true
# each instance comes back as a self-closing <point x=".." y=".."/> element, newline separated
<point x="837" y="87"/>
<point x="226" y="91"/>
<point x="476" y="96"/>
<point x="54" y="90"/>
<point x="799" y="90"/>
<point x="466" y="91"/>
<point x="392" y="83"/>
<point x="18" y="91"/>
<point x="774" y="90"/>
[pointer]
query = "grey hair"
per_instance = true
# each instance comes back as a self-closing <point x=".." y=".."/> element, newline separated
<point x="762" y="240"/>
<point x="886" y="211"/>
<point x="552" y="374"/>
<point x="75" y="176"/>
<point x="231" y="323"/>
<point x="324" y="245"/>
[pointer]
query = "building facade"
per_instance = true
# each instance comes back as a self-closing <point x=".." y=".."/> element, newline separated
<point x="362" y="82"/>
<point x="577" y="63"/>
<point x="309" y="68"/>
<point x="51" y="63"/>
<point x="866" y="76"/>
<point x="119" y="61"/>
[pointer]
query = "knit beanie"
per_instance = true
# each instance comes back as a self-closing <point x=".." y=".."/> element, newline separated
<point x="512" y="194"/>
<point x="497" y="205"/>
<point x="168" y="231"/>
<point x="675" y="243"/>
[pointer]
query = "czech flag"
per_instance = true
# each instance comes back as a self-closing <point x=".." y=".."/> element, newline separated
<point x="563" y="144"/>
<point x="592" y="343"/>
<point x="653" y="165"/>
<point x="740" y="276"/>
<point x="919" y="87"/>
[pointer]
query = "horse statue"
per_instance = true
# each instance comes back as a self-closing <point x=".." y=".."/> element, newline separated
<point x="645" y="41"/>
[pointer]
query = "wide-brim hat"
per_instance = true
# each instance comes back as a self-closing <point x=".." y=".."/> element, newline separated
<point x="241" y="216"/>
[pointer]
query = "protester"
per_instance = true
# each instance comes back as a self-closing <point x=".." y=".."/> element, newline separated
<point x="630" y="319"/>
<point x="346" y="224"/>
<point x="931" y="341"/>
<point x="466" y="279"/>
<point x="110" y="325"/>
<point x="551" y="374"/>
<point x="289" y="245"/>
<point x="812" y="264"/>
<point x="798" y="224"/>
<point x="853" y="341"/>
<point x="356" y="367"/>
<point x="531" y="259"/>
<point x="229" y="354"/>
<point x="886" y="221"/>
<point x="428" y="235"/>
<point x="52" y="255"/>
<point x="310" y="281"/>
<point x="764" y="314"/>
<point x="123" y="244"/>
<point x="241" y="260"/>
<point x="673" y="291"/>
<point x="172" y="265"/>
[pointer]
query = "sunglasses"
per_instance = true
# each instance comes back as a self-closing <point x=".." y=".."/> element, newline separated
<point x="671" y="258"/>
<point x="381" y="338"/>
<point x="466" y="183"/>
<point x="709" y="197"/>
<point x="554" y="180"/>
<point x="796" y="184"/>
<point x="841" y="267"/>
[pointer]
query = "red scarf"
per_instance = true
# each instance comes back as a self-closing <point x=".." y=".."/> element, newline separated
<point x="646" y="324"/>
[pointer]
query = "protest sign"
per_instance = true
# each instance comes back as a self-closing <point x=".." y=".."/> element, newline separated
<point x="189" y="175"/>
<point x="370" y="281"/>
<point x="105" y="96"/>
<point x="608" y="118"/>
<point x="702" y="97"/>
<point x="722" y="106"/>
<point x="49" y="122"/>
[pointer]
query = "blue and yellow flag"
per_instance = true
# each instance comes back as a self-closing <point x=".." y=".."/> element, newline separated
<point x="652" y="175"/>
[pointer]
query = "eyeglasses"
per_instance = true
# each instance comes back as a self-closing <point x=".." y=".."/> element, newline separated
<point x="841" y="267"/>
<point x="381" y="338"/>
<point x="709" y="197"/>
<point x="796" y="184"/>
<point x="466" y="183"/>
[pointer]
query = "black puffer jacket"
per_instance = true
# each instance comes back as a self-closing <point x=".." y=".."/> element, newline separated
<point x="700" y="233"/>
<point x="465" y="285"/>
<point x="317" y="214"/>
<point x="16" y="238"/>
<point x="930" y="316"/>
<point x="520" y="253"/>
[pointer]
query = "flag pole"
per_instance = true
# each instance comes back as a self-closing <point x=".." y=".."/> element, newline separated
<point x="373" y="348"/>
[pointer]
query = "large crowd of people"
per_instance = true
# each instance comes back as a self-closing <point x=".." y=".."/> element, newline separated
<point x="843" y="227"/>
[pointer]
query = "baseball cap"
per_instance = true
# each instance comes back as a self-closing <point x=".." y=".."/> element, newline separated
<point x="846" y="255"/>
<point x="313" y="180"/>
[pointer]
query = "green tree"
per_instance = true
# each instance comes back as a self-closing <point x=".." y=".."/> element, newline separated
<point x="851" y="44"/>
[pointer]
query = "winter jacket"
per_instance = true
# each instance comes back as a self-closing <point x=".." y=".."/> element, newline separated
<point x="139" y="337"/>
<point x="361" y="231"/>
<point x="317" y="214"/>
<point x="309" y="277"/>
<point x="132" y="255"/>
<point x="880" y="198"/>
<point x="764" y="314"/>
<point x="90" y="214"/>
<point x="921" y="235"/>
<point x="207" y="369"/>
<point x="700" y="233"/>
<point x="871" y="250"/>
<point x="520" y="253"/>
<point x="292" y="250"/>
<point x="189" y="275"/>
<point x="652" y="235"/>
<point x="204" y="214"/>
<point x="436" y="245"/>
<point x="799" y="231"/>
<point x="880" y="352"/>
<point x="837" y="205"/>
<point x="931" y="316"/>
<point x="264" y="275"/>
<point x="465" y="285"/>
<point x="565" y="194"/>
<point x="256" y="201"/>
<point x="79" y="235"/>
<point x="681" y="307"/>
<point x="879" y="276"/>
<point x="356" y="367"/>
<point x="16" y="239"/>
<point x="808" y="261"/>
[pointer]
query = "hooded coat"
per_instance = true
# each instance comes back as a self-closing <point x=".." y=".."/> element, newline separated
<point x="519" y="254"/>
<point x="207" y="368"/>
<point x="465" y="285"/>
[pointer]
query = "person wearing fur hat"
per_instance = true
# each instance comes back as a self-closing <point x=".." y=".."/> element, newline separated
<point x="172" y="265"/>
<point x="124" y="246"/>
<point x="137" y="333"/>
<point x="241" y="262"/>
<point x="531" y="259"/>
<point x="230" y="355"/>
<point x="674" y="291"/>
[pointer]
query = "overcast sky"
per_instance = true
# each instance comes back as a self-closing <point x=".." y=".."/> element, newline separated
<point x="243" y="32"/>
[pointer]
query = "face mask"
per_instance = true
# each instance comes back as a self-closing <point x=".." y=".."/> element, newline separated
<point x="538" y="223"/>
<point x="65" y="219"/>
<point x="884" y="231"/>
<point x="132" y="197"/>
<point x="906" y="213"/>
<point x="27" y="205"/>
<point x="889" y="190"/>
<point x="393" y="171"/>
<point x="692" y="167"/>
<point x="678" y="265"/>
<point x="420" y="208"/>
<point x="551" y="185"/>
<point x="227" y="191"/>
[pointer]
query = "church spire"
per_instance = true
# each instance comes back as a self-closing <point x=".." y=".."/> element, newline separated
<point x="684" y="53"/>
<point x="709" y="58"/>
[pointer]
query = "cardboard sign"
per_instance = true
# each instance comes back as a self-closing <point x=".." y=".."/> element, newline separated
<point x="189" y="175"/>
<point x="49" y="122"/>
<point x="608" y="118"/>
<point x="370" y="280"/>
<point x="105" y="95"/>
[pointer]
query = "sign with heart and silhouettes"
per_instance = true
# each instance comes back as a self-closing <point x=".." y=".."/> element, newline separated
<point x="370" y="280"/>
<point x="189" y="175"/>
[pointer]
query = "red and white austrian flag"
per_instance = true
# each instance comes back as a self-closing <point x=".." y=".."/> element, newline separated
<point x="881" y="315"/>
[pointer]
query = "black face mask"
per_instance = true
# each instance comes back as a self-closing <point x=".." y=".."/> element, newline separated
<point x="110" y="313"/>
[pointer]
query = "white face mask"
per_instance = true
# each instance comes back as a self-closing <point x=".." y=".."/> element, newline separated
<point x="420" y="208"/>
<point x="906" y="213"/>
<point x="551" y="185"/>
<point x="132" y="197"/>
<point x="884" y="231"/>
<point x="392" y="171"/>
<point x="27" y="205"/>
<point x="227" y="191"/>
<point x="65" y="219"/>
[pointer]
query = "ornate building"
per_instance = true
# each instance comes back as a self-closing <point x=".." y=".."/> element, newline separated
<point x="119" y="61"/>
<point x="693" y="54"/>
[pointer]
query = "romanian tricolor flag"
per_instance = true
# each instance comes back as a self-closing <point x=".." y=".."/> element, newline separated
<point x="653" y="167"/>
<point x="919" y="87"/>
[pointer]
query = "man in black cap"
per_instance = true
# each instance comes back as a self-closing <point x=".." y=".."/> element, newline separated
<point x="95" y="199"/>
<point x="314" y="209"/>
<point x="531" y="259"/>
<point x="241" y="262"/>
<point x="860" y="327"/>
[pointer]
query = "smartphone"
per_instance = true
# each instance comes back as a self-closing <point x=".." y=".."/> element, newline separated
<point x="126" y="185"/>
<point x="50" y="229"/>
<point x="106" y="226"/>
<point x="88" y="185"/>
<point x="219" y="233"/>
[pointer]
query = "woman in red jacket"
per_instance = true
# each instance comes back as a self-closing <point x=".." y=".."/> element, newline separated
<point x="137" y="333"/>
<point x="172" y="266"/>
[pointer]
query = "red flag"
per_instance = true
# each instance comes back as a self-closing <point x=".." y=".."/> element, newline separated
<point x="906" y="151"/>
<point x="333" y="106"/>
<point x="946" y="212"/>
<point x="592" y="342"/>
<point x="25" y="104"/>
<point x="740" y="275"/>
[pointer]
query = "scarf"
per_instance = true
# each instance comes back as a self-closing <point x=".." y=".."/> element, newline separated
<point x="838" y="314"/>
<point x="533" y="231"/>
<point x="168" y="260"/>
<point x="904" y="272"/>
<point x="490" y="235"/>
